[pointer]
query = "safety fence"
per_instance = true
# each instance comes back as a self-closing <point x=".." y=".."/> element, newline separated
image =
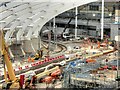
<point x="78" y="74"/>
<point x="34" y="65"/>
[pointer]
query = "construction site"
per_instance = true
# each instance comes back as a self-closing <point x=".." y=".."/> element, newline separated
<point x="59" y="44"/>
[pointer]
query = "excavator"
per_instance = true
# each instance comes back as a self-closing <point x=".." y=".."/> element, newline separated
<point x="12" y="82"/>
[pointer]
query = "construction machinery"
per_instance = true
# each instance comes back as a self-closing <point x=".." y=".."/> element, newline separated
<point x="12" y="81"/>
<point x="39" y="53"/>
<point x="52" y="77"/>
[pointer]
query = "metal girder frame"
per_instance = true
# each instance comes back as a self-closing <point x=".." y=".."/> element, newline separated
<point x="33" y="15"/>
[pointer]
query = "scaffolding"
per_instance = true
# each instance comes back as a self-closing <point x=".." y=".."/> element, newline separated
<point x="82" y="75"/>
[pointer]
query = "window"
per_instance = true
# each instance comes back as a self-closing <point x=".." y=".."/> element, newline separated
<point x="93" y="7"/>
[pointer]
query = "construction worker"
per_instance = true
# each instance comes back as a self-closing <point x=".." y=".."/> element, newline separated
<point x="32" y="59"/>
<point x="98" y="43"/>
<point x="29" y="59"/>
<point x="33" y="81"/>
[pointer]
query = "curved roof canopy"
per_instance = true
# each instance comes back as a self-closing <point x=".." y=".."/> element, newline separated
<point x="26" y="17"/>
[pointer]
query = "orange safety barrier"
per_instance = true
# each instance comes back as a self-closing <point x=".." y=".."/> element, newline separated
<point x="37" y="63"/>
<point x="45" y="60"/>
<point x="40" y="62"/>
<point x="26" y="67"/>
<point x="20" y="68"/>
<point x="90" y="61"/>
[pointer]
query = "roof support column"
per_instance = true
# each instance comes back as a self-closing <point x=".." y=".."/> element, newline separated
<point x="102" y="20"/>
<point x="54" y="31"/>
<point x="76" y="12"/>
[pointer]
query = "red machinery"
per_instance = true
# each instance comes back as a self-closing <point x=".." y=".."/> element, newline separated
<point x="53" y="75"/>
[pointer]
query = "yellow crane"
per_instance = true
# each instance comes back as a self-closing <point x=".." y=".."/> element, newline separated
<point x="13" y="82"/>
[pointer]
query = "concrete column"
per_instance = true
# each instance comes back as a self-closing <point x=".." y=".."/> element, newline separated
<point x="114" y="31"/>
<point x="98" y="30"/>
<point x="54" y="30"/>
<point x="102" y="20"/>
<point x="76" y="12"/>
<point x="53" y="24"/>
<point x="116" y="26"/>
